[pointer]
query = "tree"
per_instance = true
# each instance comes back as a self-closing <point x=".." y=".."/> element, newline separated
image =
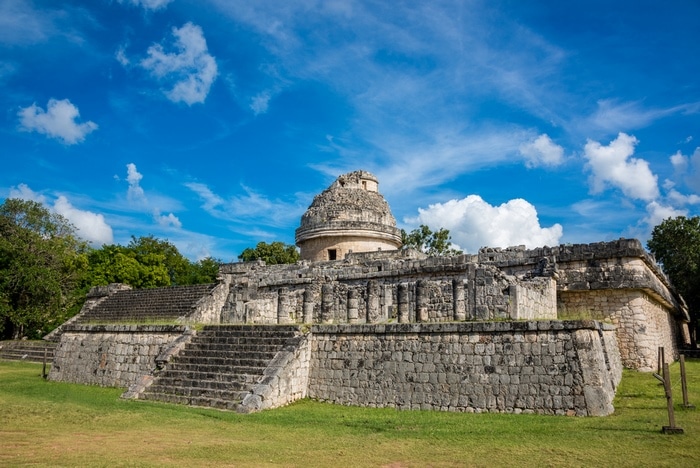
<point x="42" y="264"/>
<point x="203" y="271"/>
<point x="676" y="245"/>
<point x="273" y="254"/>
<point x="423" y="239"/>
<point x="147" y="262"/>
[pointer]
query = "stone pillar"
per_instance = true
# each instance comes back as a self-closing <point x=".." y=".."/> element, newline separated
<point x="387" y="302"/>
<point x="403" y="298"/>
<point x="422" y="300"/>
<point x="373" y="310"/>
<point x="308" y="307"/>
<point x="460" y="313"/>
<point x="327" y="302"/>
<point x="353" y="305"/>
<point x="283" y="306"/>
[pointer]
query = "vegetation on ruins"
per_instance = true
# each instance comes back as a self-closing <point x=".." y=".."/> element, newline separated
<point x="276" y="253"/>
<point x="433" y="243"/>
<point x="47" y="423"/>
<point x="676" y="245"/>
<point x="45" y="269"/>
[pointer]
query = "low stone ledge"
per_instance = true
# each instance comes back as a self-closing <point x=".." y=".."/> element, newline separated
<point x="131" y="328"/>
<point x="460" y="327"/>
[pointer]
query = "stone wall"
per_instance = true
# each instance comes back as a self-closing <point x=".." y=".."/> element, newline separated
<point x="543" y="367"/>
<point x="285" y="380"/>
<point x="643" y="325"/>
<point x="110" y="355"/>
<point x="374" y="289"/>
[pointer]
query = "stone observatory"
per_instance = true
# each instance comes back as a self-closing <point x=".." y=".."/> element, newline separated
<point x="349" y="216"/>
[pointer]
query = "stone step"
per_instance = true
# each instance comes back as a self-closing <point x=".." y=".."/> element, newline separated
<point x="199" y="392"/>
<point x="221" y="342"/>
<point x="240" y="384"/>
<point x="212" y="348"/>
<point x="209" y="360"/>
<point x="226" y="357"/>
<point x="193" y="401"/>
<point x="216" y="369"/>
<point x="208" y="376"/>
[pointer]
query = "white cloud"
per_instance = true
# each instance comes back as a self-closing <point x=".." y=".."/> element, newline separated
<point x="23" y="192"/>
<point x="249" y="205"/>
<point x="260" y="102"/>
<point x="148" y="4"/>
<point x="613" y="165"/>
<point x="89" y="226"/>
<point x="473" y="223"/>
<point x="688" y="168"/>
<point x="542" y="151"/>
<point x="211" y="200"/>
<point x="58" y="121"/>
<point x="135" y="192"/>
<point x="190" y="70"/>
<point x="657" y="212"/>
<point x="121" y="57"/>
<point x="168" y="221"/>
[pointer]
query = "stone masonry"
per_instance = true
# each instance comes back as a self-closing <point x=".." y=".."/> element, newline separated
<point x="544" y="330"/>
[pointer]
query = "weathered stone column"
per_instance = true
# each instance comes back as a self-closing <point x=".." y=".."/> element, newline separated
<point x="327" y="302"/>
<point x="403" y="303"/>
<point x="308" y="306"/>
<point x="460" y="313"/>
<point x="353" y="305"/>
<point x="283" y="306"/>
<point x="373" y="311"/>
<point x="387" y="302"/>
<point x="422" y="300"/>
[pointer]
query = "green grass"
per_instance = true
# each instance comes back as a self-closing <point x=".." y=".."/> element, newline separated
<point x="57" y="424"/>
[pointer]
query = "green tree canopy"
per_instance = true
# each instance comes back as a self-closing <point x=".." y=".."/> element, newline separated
<point x="148" y="262"/>
<point x="42" y="263"/>
<point x="273" y="254"/>
<point x="676" y="245"/>
<point x="423" y="239"/>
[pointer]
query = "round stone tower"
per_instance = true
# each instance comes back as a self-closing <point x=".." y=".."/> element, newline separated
<point x="349" y="216"/>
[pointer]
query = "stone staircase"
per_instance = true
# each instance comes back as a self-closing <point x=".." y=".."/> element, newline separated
<point x="25" y="350"/>
<point x="220" y="365"/>
<point x="147" y="305"/>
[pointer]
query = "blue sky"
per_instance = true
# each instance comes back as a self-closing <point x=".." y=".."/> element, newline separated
<point x="213" y="123"/>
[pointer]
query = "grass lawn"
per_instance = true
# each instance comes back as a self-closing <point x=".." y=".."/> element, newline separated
<point x="56" y="424"/>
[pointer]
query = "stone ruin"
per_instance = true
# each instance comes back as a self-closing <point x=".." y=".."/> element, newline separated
<point x="359" y="322"/>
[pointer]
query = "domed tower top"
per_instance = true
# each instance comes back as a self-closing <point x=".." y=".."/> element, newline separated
<point x="349" y="216"/>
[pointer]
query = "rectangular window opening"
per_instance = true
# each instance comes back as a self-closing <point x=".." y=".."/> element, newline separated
<point x="332" y="254"/>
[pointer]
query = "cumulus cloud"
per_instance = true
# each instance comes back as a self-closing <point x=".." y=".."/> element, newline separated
<point x="542" y="151"/>
<point x="23" y="192"/>
<point x="657" y="212"/>
<point x="613" y="165"/>
<point x="189" y="71"/>
<point x="169" y="220"/>
<point x="90" y="226"/>
<point x="148" y="4"/>
<point x="474" y="223"/>
<point x="58" y="121"/>
<point x="135" y="192"/>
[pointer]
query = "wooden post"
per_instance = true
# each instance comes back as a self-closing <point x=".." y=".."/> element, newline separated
<point x="660" y="360"/>
<point x="684" y="385"/>
<point x="671" y="428"/>
<point x="43" y="369"/>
